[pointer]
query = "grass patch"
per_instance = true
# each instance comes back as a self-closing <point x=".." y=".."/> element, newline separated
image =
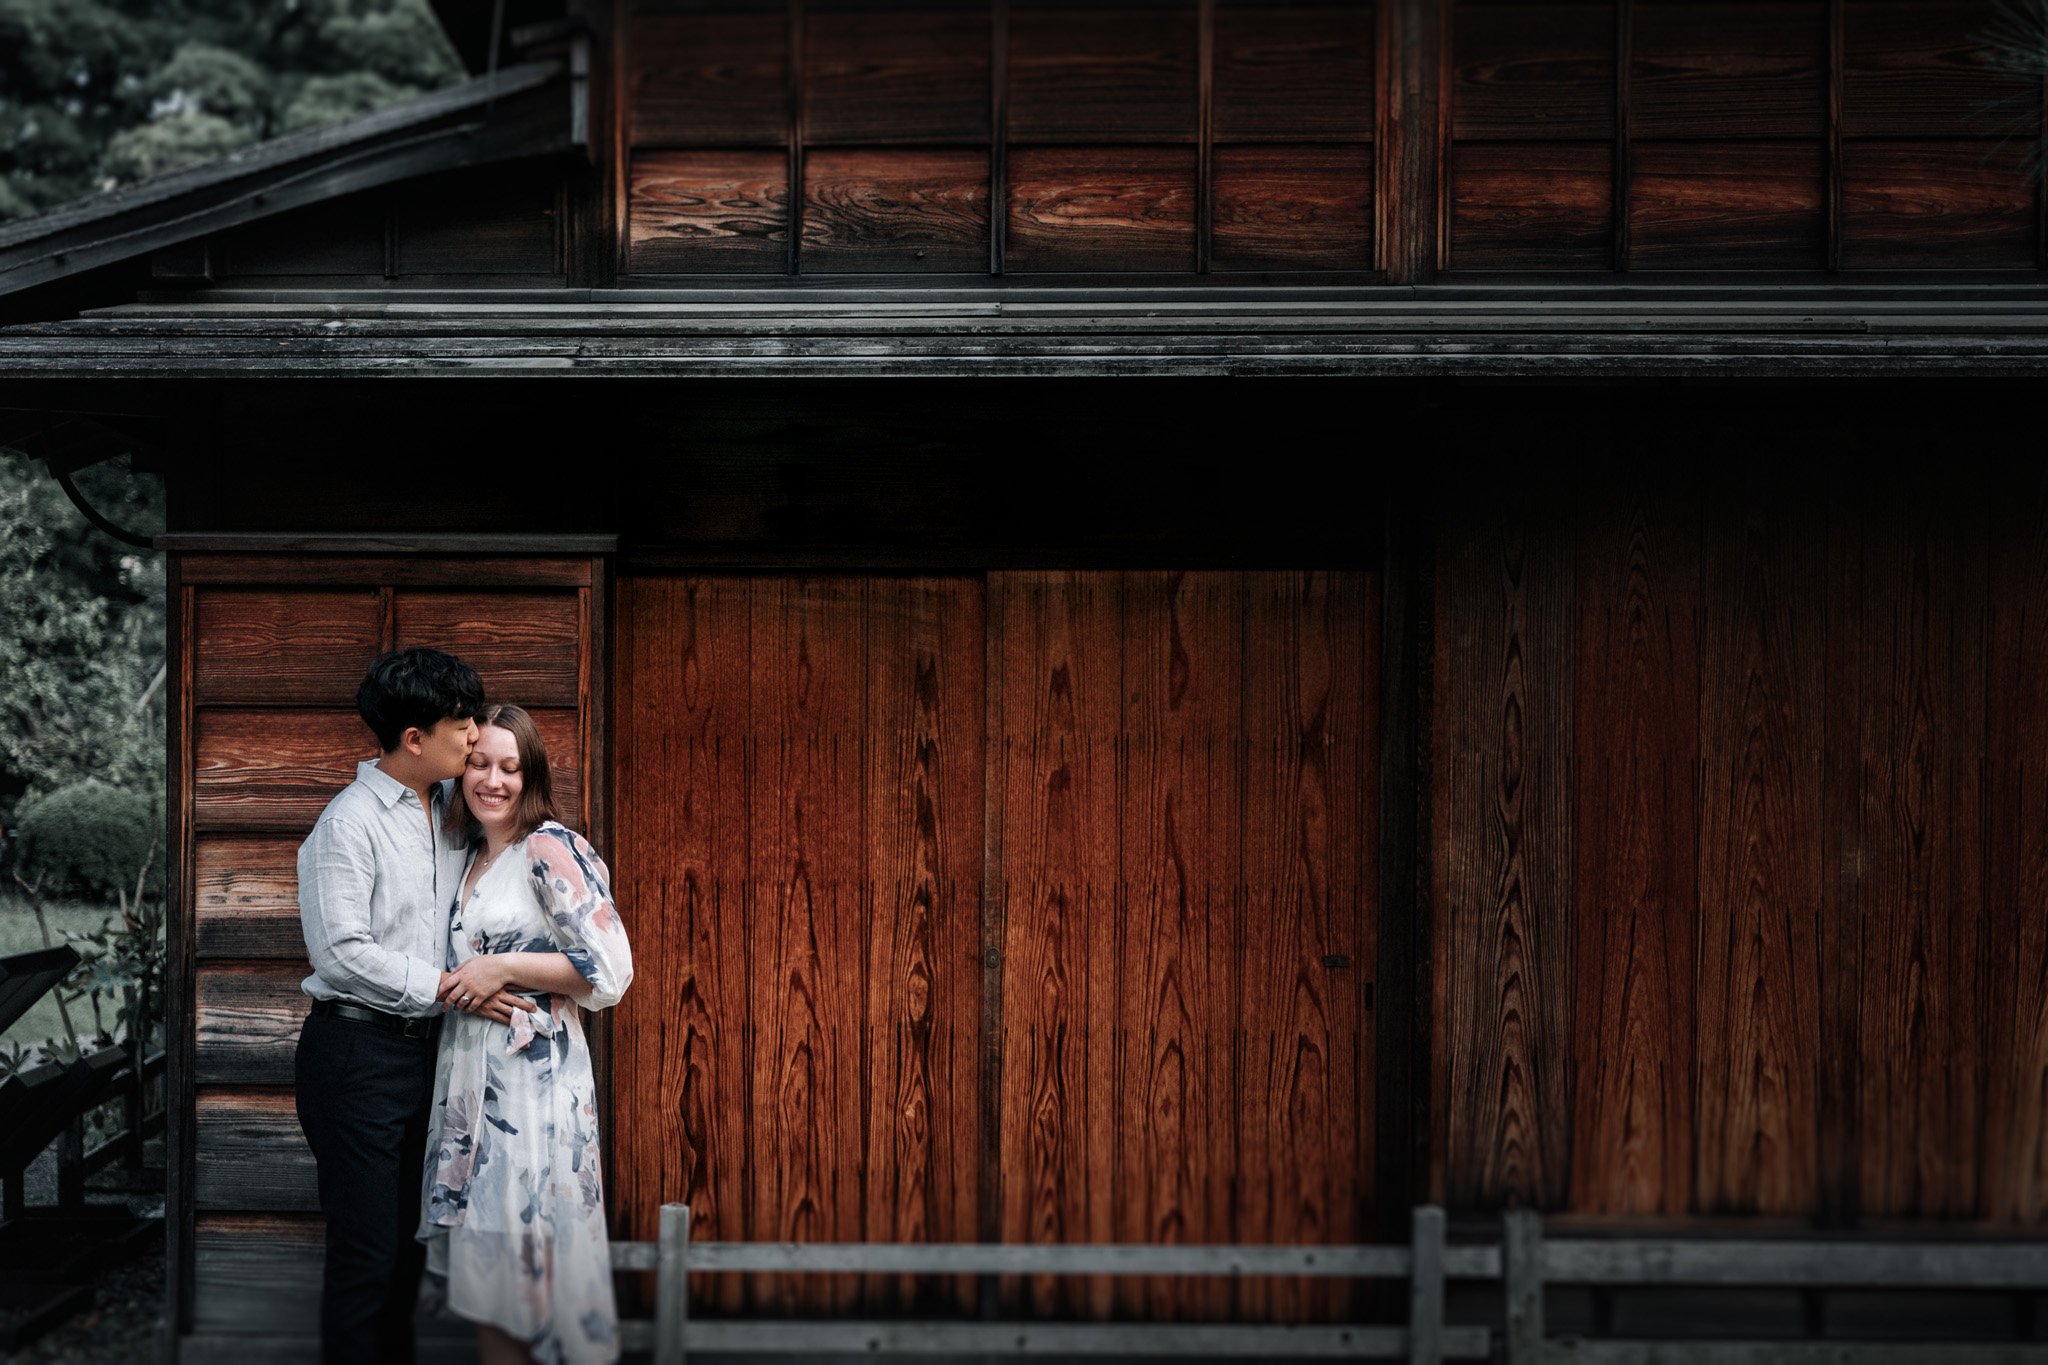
<point x="19" y="934"/>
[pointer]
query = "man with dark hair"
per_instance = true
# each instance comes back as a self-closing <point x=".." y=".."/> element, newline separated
<point x="377" y="878"/>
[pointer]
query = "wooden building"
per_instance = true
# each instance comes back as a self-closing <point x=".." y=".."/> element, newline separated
<point x="1192" y="621"/>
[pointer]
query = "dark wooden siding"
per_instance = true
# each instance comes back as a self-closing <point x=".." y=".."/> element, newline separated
<point x="276" y="646"/>
<point x="1738" y="883"/>
<point x="1034" y="907"/>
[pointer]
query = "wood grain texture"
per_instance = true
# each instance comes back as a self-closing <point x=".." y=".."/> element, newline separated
<point x="1635" y="890"/>
<point x="1304" y="1146"/>
<point x="246" y="897"/>
<point x="304" y="648"/>
<point x="1294" y="74"/>
<point x="251" y="1154"/>
<point x="525" y="646"/>
<point x="1937" y="205"/>
<point x="1502" y="839"/>
<point x="925" y="717"/>
<point x="708" y="79"/>
<point x="1528" y="206"/>
<point x="1532" y="71"/>
<point x="898" y="211"/>
<point x="707" y="211"/>
<point x="256" y="1272"/>
<point x="1172" y="979"/>
<point x="1923" y="71"/>
<point x="1920" y="857"/>
<point x="1296" y="208"/>
<point x="1728" y="70"/>
<point x="1056" y="763"/>
<point x="1762" y="717"/>
<point x="2015" y="1175"/>
<point x="807" y="851"/>
<point x="340" y="237"/>
<point x="246" y="1022"/>
<point x="369" y="561"/>
<point x="683" y="1105"/>
<point x="881" y="75"/>
<point x="1842" y="873"/>
<point x="1095" y="75"/>
<point x="261" y="770"/>
<point x="1721" y="206"/>
<point x="1101" y="208"/>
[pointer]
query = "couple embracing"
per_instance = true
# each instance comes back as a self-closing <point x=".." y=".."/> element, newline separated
<point x="456" y="928"/>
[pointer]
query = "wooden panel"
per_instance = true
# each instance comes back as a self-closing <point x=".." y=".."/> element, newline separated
<point x="1746" y="205"/>
<point x="246" y="897"/>
<point x="525" y="646"/>
<point x="683" y="1103"/>
<point x="479" y="223"/>
<point x="1294" y="74"/>
<point x="1531" y="207"/>
<point x="1058" y="788"/>
<point x="925" y="718"/>
<point x="1762" y="715"/>
<point x="708" y="79"/>
<point x="1304" y="1145"/>
<point x="247" y="1022"/>
<point x="896" y="211"/>
<point x="1635" y="890"/>
<point x="250" y="1153"/>
<point x="807" y="853"/>
<point x="2015" y="1176"/>
<point x="1280" y="208"/>
<point x="1532" y="71"/>
<point x="697" y="211"/>
<point x="1101" y="208"/>
<point x="340" y="237"/>
<point x="1920" y="857"/>
<point x="256" y="1272"/>
<point x="304" y="563"/>
<point x="896" y="76"/>
<point x="267" y="646"/>
<point x="1088" y="75"/>
<point x="562" y="732"/>
<point x="273" y="770"/>
<point x="1928" y="205"/>
<point x="1728" y="70"/>
<point x="1175" y="979"/>
<point x="1502" y="834"/>
<point x="1913" y="69"/>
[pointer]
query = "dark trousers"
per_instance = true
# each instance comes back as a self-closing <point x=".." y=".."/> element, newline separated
<point x="364" y="1095"/>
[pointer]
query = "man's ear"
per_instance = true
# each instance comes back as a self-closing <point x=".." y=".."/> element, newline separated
<point x="413" y="741"/>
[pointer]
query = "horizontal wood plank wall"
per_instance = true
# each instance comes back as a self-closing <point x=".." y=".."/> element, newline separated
<point x="1737" y="877"/>
<point x="1735" y="135"/>
<point x="1160" y="138"/>
<point x="277" y="646"/>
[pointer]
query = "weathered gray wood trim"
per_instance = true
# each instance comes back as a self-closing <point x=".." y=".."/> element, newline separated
<point x="454" y="543"/>
<point x="1863" y="1265"/>
<point x="522" y="111"/>
<point x="1584" y="1352"/>
<point x="1061" y="1340"/>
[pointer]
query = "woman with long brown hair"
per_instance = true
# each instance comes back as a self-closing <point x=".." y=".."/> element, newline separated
<point x="513" y="1212"/>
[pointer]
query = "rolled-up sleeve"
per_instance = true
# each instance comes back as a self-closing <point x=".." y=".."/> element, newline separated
<point x="337" y="875"/>
<point x="574" y="888"/>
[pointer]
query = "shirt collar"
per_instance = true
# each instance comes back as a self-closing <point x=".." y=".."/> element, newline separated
<point x="389" y="789"/>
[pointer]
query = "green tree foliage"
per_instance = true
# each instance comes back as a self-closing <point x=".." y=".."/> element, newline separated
<point x="87" y="840"/>
<point x="84" y="637"/>
<point x="95" y="93"/>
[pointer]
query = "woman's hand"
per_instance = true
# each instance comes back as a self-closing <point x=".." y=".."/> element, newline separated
<point x="472" y="986"/>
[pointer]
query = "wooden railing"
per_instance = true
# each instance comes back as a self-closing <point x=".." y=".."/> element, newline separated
<point x="1523" y="1263"/>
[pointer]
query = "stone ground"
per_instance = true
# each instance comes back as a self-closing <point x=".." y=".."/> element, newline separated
<point x="125" y="1319"/>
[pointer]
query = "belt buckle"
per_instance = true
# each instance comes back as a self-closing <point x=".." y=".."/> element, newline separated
<point x="418" y="1027"/>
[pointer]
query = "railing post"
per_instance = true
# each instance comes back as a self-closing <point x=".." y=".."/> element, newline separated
<point x="672" y="1287"/>
<point x="1426" y="1288"/>
<point x="1522" y="1274"/>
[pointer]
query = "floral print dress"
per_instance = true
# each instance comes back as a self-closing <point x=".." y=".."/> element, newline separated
<point x="514" y="1211"/>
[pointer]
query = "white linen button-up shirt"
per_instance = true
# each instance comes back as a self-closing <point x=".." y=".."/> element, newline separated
<point x="376" y="886"/>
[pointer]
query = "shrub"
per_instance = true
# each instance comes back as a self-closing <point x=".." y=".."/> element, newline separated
<point x="88" y="839"/>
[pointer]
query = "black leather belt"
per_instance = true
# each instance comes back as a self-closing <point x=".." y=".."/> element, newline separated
<point x="363" y="1014"/>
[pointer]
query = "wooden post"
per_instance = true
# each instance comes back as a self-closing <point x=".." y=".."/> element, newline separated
<point x="1426" y="1288"/>
<point x="71" y="1166"/>
<point x="1522" y="1274"/>
<point x="672" y="1287"/>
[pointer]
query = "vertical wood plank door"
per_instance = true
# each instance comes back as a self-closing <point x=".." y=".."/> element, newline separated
<point x="1035" y="908"/>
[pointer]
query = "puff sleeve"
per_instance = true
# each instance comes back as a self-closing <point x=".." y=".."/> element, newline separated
<point x="574" y="889"/>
